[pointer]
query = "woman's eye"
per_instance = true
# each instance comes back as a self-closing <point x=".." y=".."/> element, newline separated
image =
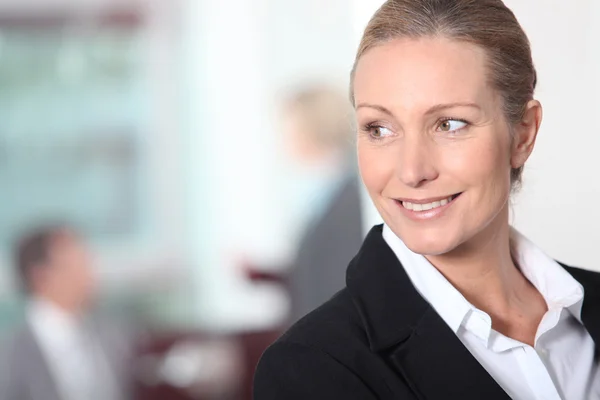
<point x="379" y="132"/>
<point x="451" y="125"/>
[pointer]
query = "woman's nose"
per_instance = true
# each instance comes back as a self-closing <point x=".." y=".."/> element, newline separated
<point x="416" y="162"/>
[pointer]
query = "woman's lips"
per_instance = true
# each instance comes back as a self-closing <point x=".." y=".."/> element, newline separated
<point x="426" y="209"/>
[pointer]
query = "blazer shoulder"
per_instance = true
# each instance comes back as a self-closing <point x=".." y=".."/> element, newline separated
<point x="294" y="371"/>
<point x="334" y="322"/>
<point x="313" y="359"/>
<point x="588" y="278"/>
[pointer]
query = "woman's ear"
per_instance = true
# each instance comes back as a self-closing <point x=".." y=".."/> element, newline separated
<point x="525" y="133"/>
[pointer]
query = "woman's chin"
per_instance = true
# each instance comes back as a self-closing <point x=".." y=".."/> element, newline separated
<point x="429" y="245"/>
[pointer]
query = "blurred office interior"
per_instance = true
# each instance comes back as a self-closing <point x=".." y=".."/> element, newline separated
<point x="155" y="128"/>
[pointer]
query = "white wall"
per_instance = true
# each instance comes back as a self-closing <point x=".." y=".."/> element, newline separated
<point x="557" y="206"/>
<point x="228" y="160"/>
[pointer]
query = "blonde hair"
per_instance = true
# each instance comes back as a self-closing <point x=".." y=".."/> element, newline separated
<point x="488" y="24"/>
<point x="326" y="114"/>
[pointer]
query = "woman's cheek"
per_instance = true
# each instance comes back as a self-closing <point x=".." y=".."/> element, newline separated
<point x="376" y="168"/>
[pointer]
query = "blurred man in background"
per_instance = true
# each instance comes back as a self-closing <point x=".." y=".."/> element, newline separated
<point x="61" y="353"/>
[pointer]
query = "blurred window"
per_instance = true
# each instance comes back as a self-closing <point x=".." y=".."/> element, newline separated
<point x="72" y="112"/>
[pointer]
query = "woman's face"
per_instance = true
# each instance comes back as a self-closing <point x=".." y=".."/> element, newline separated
<point x="435" y="150"/>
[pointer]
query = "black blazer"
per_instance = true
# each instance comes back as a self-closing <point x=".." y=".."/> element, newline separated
<point x="379" y="339"/>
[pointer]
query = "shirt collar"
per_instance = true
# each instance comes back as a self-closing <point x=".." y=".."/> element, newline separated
<point x="557" y="286"/>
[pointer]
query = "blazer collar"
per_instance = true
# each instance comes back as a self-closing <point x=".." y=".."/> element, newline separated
<point x="386" y="300"/>
<point x="404" y="328"/>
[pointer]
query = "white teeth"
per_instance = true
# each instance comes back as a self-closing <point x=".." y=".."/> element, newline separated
<point x="426" y="207"/>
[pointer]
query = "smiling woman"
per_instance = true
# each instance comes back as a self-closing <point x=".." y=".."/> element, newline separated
<point x="445" y="300"/>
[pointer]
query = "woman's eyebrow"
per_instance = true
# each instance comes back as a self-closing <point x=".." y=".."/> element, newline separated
<point x="431" y="110"/>
<point x="440" y="107"/>
<point x="374" y="106"/>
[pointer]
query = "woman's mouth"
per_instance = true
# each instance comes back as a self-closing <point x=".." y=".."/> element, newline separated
<point x="427" y="209"/>
<point x="428" y="206"/>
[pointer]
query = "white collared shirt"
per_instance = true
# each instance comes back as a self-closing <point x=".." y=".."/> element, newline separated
<point x="561" y="364"/>
<point x="76" y="361"/>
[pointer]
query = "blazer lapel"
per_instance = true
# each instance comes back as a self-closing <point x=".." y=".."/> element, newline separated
<point x="438" y="365"/>
<point x="403" y="327"/>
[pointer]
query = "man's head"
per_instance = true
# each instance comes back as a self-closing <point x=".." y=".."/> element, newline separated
<point x="54" y="264"/>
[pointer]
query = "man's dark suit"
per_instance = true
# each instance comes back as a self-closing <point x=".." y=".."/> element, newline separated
<point x="379" y="339"/>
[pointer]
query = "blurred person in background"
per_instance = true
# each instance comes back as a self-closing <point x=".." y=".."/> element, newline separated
<point x="319" y="140"/>
<point x="324" y="218"/>
<point x="61" y="352"/>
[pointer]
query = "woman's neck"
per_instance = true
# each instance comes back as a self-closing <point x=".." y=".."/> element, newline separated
<point x="484" y="272"/>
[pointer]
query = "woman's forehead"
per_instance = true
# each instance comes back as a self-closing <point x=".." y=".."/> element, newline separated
<point x="408" y="73"/>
